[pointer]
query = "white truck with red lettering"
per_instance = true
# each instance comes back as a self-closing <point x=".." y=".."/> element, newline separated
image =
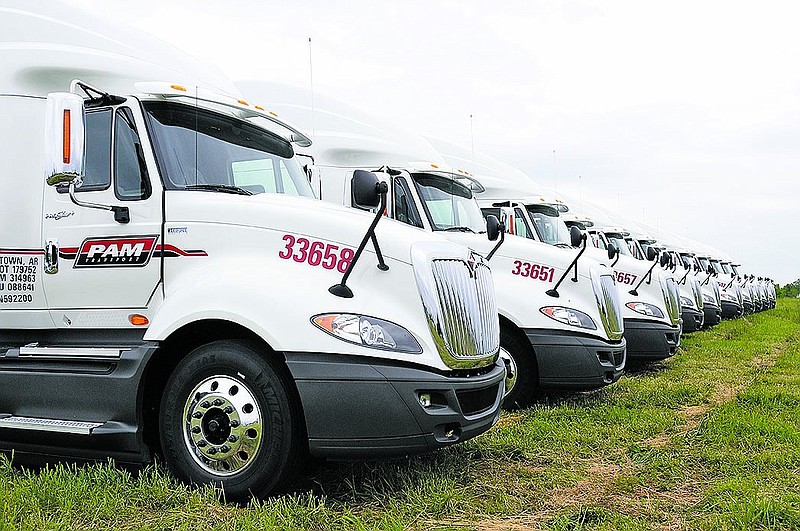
<point x="559" y="315"/>
<point x="649" y="302"/>
<point x="169" y="284"/>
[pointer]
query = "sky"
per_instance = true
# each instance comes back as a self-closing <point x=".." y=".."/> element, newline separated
<point x="681" y="114"/>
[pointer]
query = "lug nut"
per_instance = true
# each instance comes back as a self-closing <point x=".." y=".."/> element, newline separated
<point x="225" y="448"/>
<point x="233" y="438"/>
<point x="197" y="415"/>
<point x="234" y="424"/>
<point x="201" y="443"/>
<point x="218" y="402"/>
<point x="211" y="451"/>
<point x="205" y="404"/>
<point x="228" y="410"/>
<point x="196" y="429"/>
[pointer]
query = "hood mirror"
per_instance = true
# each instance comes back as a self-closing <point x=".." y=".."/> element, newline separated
<point x="493" y="227"/>
<point x="366" y="190"/>
<point x="612" y="250"/>
<point x="664" y="261"/>
<point x="651" y="254"/>
<point x="575" y="236"/>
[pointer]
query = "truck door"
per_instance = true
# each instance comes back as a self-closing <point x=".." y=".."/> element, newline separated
<point x="104" y="263"/>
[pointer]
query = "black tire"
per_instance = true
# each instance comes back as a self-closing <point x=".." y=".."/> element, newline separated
<point x="527" y="377"/>
<point x="227" y="396"/>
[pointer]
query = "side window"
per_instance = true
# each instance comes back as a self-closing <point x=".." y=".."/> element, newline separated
<point x="97" y="168"/>
<point x="131" y="181"/>
<point x="287" y="184"/>
<point x="405" y="209"/>
<point x="520" y="226"/>
<point x="258" y="176"/>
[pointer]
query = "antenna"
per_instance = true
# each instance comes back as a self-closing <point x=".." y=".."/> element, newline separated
<point x="311" y="89"/>
<point x="472" y="143"/>
<point x="580" y="192"/>
<point x="555" y="178"/>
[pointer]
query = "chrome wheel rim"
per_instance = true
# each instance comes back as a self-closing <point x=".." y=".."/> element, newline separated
<point x="223" y="426"/>
<point x="511" y="371"/>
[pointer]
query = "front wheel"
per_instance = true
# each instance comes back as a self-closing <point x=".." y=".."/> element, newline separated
<point x="227" y="419"/>
<point x="521" y="373"/>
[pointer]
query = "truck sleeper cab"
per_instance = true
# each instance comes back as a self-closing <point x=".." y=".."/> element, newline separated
<point x="651" y="315"/>
<point x="172" y="295"/>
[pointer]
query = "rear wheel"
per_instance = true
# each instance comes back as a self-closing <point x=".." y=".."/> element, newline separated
<point x="521" y="373"/>
<point x="227" y="418"/>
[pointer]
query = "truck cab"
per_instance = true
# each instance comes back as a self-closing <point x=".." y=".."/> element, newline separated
<point x="651" y="311"/>
<point x="170" y="285"/>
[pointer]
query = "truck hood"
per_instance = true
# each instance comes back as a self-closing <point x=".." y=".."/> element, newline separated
<point x="298" y="215"/>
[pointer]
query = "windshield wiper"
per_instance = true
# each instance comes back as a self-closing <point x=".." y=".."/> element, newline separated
<point x="563" y="245"/>
<point x="226" y="188"/>
<point x="459" y="229"/>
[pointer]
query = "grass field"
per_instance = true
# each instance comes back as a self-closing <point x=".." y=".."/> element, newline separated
<point x="707" y="440"/>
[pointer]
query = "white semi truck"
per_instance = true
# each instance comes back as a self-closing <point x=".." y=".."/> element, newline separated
<point x="568" y="339"/>
<point x="650" y="309"/>
<point x="169" y="284"/>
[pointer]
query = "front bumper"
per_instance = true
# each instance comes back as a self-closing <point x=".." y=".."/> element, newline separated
<point x="692" y="320"/>
<point x="712" y="315"/>
<point x="360" y="408"/>
<point x="575" y="362"/>
<point x="651" y="340"/>
<point x="731" y="310"/>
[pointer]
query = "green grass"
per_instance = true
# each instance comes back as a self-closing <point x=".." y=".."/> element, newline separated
<point x="709" y="439"/>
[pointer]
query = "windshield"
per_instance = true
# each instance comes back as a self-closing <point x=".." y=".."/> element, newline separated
<point x="704" y="263"/>
<point x="735" y="270"/>
<point x="635" y="248"/>
<point x="716" y="266"/>
<point x="597" y="240"/>
<point x="726" y="268"/>
<point x="617" y="240"/>
<point x="448" y="204"/>
<point x="548" y="225"/>
<point x="201" y="149"/>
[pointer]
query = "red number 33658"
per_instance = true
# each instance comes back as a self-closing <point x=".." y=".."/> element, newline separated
<point x="316" y="253"/>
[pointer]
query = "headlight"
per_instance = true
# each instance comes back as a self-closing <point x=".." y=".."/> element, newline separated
<point x="646" y="309"/>
<point x="569" y="316"/>
<point x="686" y="301"/>
<point x="729" y="296"/>
<point x="367" y="331"/>
<point x="709" y="299"/>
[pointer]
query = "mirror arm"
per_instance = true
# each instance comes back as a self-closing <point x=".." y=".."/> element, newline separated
<point x="554" y="292"/>
<point x="498" y="244"/>
<point x="648" y="276"/>
<point x="683" y="280"/>
<point x="616" y="260"/>
<point x="341" y="289"/>
<point x="121" y="213"/>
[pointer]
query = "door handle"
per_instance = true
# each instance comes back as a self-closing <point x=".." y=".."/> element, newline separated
<point x="51" y="257"/>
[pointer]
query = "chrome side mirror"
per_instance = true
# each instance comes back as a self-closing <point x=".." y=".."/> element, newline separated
<point x="64" y="138"/>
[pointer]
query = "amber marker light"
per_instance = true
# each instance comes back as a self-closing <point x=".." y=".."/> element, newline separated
<point x="137" y="319"/>
<point x="259" y="107"/>
<point x="67" y="133"/>
<point x="178" y="87"/>
<point x="243" y="102"/>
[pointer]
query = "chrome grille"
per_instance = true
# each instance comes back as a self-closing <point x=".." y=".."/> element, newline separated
<point x="610" y="307"/>
<point x="466" y="320"/>
<point x="673" y="301"/>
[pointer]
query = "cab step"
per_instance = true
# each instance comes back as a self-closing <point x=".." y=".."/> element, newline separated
<point x="39" y="424"/>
